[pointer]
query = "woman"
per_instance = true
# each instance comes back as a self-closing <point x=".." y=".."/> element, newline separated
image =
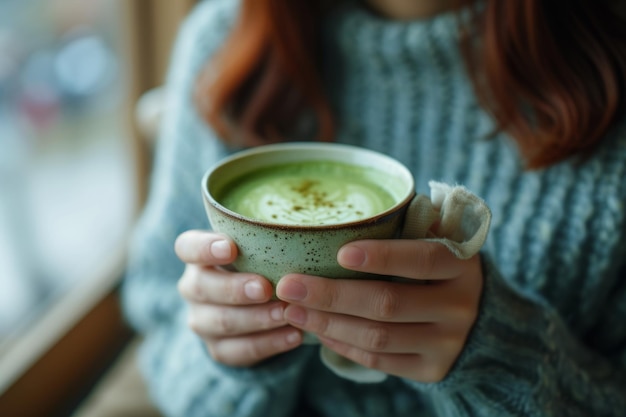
<point x="520" y="101"/>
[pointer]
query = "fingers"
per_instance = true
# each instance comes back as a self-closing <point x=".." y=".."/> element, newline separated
<point x="423" y="352"/>
<point x="422" y="368"/>
<point x="403" y="258"/>
<point x="404" y="329"/>
<point x="230" y="311"/>
<point x="210" y="285"/>
<point x="250" y="349"/>
<point x="368" y="334"/>
<point x="205" y="248"/>
<point x="200" y="283"/>
<point x="377" y="300"/>
<point x="215" y="321"/>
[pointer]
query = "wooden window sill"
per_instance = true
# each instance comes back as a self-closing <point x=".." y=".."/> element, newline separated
<point x="52" y="366"/>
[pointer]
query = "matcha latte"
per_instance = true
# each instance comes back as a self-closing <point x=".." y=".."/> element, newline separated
<point x="313" y="193"/>
<point x="289" y="207"/>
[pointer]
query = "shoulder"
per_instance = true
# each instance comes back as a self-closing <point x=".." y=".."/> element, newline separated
<point x="204" y="29"/>
<point x="199" y="37"/>
<point x="210" y="18"/>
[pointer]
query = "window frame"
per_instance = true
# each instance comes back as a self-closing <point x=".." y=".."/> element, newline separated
<point x="50" y="368"/>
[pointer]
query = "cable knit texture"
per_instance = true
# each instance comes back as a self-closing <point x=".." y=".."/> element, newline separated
<point x="550" y="338"/>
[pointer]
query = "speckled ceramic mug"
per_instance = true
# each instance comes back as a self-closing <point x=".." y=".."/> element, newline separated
<point x="275" y="248"/>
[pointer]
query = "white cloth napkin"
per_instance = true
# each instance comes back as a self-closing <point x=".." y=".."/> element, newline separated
<point x="452" y="216"/>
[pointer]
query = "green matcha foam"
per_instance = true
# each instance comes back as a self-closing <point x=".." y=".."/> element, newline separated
<point x="308" y="193"/>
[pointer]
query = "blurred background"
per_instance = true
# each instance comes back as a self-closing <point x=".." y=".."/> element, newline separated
<point x="76" y="120"/>
<point x="65" y="169"/>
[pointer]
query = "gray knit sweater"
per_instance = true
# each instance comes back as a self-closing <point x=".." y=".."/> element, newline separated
<point x="550" y="339"/>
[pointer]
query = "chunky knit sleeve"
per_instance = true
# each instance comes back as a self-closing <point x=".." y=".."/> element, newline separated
<point x="183" y="379"/>
<point x="522" y="360"/>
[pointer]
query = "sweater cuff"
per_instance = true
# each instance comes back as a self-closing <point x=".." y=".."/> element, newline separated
<point x="185" y="381"/>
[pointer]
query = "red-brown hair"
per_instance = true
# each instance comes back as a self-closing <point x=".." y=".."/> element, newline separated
<point x="553" y="76"/>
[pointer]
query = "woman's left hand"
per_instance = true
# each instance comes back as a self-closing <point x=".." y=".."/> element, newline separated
<point x="409" y="330"/>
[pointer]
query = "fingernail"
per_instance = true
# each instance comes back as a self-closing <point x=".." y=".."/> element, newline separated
<point x="295" y="315"/>
<point x="220" y="249"/>
<point x="277" y="313"/>
<point x="293" y="338"/>
<point x="254" y="290"/>
<point x="351" y="256"/>
<point x="291" y="290"/>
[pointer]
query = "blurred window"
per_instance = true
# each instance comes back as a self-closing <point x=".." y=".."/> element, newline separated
<point x="67" y="179"/>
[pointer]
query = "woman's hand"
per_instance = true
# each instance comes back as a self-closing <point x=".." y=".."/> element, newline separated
<point x="410" y="330"/>
<point x="231" y="312"/>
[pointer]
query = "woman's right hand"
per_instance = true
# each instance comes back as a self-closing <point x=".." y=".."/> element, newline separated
<point x="232" y="312"/>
